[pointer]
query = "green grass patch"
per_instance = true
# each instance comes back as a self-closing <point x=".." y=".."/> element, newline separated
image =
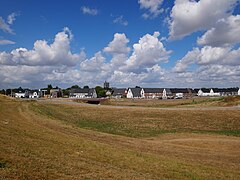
<point x="3" y="164"/>
<point x="147" y="123"/>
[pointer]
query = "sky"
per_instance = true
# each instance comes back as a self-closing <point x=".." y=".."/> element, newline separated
<point x="147" y="43"/>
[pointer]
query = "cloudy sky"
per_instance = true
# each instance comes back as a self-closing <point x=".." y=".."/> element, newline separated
<point x="149" y="43"/>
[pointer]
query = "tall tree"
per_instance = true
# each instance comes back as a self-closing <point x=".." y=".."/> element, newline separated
<point x="75" y="86"/>
<point x="100" y="91"/>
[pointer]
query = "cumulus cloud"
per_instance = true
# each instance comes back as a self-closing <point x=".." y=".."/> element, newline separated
<point x="5" y="41"/>
<point x="215" y="66"/>
<point x="120" y="20"/>
<point x="188" y="59"/>
<point x="208" y="55"/>
<point x="148" y="52"/>
<point x="152" y="6"/>
<point x="191" y="16"/>
<point x="42" y="54"/>
<point x="219" y="74"/>
<point x="118" y="45"/>
<point x="223" y="34"/>
<point x="94" y="64"/>
<point x="89" y="11"/>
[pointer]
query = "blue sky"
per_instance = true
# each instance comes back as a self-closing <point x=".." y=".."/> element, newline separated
<point x="151" y="43"/>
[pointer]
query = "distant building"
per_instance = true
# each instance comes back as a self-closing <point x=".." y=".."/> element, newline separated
<point x="19" y="93"/>
<point x="119" y="93"/>
<point x="134" y="93"/>
<point x="83" y="93"/>
<point x="55" y="93"/>
<point x="33" y="93"/>
<point x="106" y="85"/>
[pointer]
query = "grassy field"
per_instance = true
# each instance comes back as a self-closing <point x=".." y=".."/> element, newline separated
<point x="192" y="102"/>
<point x="40" y="140"/>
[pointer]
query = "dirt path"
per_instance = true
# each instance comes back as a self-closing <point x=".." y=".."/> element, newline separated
<point x="70" y="102"/>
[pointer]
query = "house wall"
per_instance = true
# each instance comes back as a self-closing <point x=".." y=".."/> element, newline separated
<point x="94" y="94"/>
<point x="129" y="94"/>
<point x="80" y="95"/>
<point x="20" y="95"/>
<point x="164" y="95"/>
<point x="34" y="95"/>
<point x="152" y="95"/>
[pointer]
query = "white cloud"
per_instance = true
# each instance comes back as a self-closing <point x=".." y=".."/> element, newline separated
<point x="208" y="55"/>
<point x="57" y="53"/>
<point x="188" y="59"/>
<point x="118" y="45"/>
<point x="5" y="41"/>
<point x="153" y="7"/>
<point x="120" y="20"/>
<point x="224" y="33"/>
<point x="191" y="16"/>
<point x="219" y="74"/>
<point x="209" y="66"/>
<point x="94" y="64"/>
<point x="11" y="18"/>
<point x="89" y="11"/>
<point x="4" y="26"/>
<point x="148" y="52"/>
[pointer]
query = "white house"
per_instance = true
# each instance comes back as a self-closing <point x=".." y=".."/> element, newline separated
<point x="134" y="93"/>
<point x="34" y="94"/>
<point x="207" y="92"/>
<point x="238" y="91"/>
<point x="83" y="93"/>
<point x="20" y="93"/>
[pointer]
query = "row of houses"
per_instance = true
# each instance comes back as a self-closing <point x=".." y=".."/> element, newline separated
<point x="146" y="93"/>
<point x="37" y="93"/>
<point x="170" y="93"/>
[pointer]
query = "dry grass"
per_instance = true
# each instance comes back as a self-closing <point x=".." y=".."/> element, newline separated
<point x="36" y="147"/>
<point x="194" y="102"/>
<point x="144" y="122"/>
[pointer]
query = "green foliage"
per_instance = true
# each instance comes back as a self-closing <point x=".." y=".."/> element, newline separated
<point x="100" y="91"/>
<point x="49" y="87"/>
<point x="75" y="86"/>
<point x="8" y="91"/>
<point x="3" y="164"/>
<point x="66" y="92"/>
<point x="86" y="87"/>
<point x="2" y="91"/>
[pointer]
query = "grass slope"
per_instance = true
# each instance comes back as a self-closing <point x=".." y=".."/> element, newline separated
<point x="144" y="122"/>
<point x="36" y="147"/>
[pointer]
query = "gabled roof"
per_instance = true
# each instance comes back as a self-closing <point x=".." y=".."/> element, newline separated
<point x="225" y="89"/>
<point x="79" y="90"/>
<point x="120" y="91"/>
<point x="91" y="91"/>
<point x="206" y="90"/>
<point x="153" y="90"/>
<point x="195" y="90"/>
<point x="168" y="91"/>
<point x="136" y="92"/>
<point x="20" y="90"/>
<point x="179" y="90"/>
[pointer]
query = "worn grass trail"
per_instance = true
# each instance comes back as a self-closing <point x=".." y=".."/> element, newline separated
<point x="38" y="146"/>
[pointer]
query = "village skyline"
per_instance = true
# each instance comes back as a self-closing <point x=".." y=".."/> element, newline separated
<point x="159" y="43"/>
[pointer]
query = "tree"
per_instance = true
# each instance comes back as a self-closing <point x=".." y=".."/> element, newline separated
<point x="100" y="91"/>
<point x="75" y="86"/>
<point x="8" y="92"/>
<point x="2" y="91"/>
<point x="66" y="92"/>
<point x="49" y="87"/>
<point x="86" y="87"/>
